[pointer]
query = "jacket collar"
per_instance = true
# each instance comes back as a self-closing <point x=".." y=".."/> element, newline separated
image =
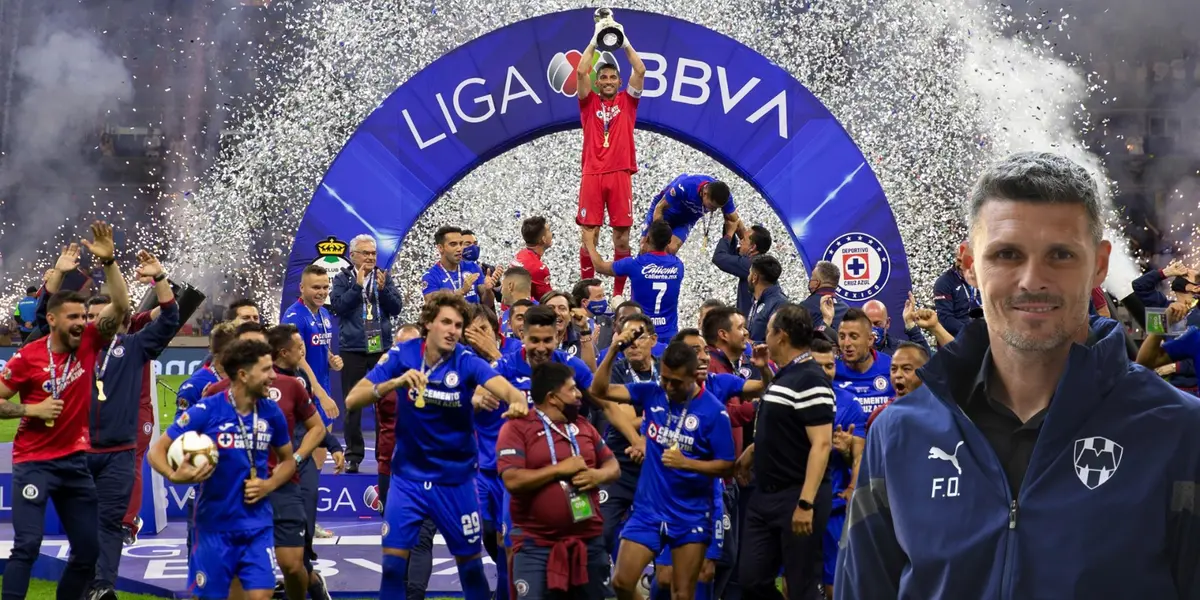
<point x="1093" y="370"/>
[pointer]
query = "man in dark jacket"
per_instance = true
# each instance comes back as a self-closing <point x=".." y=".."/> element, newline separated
<point x="1059" y="429"/>
<point x="733" y="256"/>
<point x="955" y="300"/>
<point x="824" y="282"/>
<point x="365" y="300"/>
<point x="765" y="272"/>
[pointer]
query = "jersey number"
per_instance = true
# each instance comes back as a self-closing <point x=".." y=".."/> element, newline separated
<point x="470" y="524"/>
<point x="661" y="288"/>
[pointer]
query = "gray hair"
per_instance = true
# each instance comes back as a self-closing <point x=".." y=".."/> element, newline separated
<point x="359" y="239"/>
<point x="1039" y="178"/>
<point x="827" y="272"/>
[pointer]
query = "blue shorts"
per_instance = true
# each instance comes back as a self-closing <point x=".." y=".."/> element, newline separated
<point x="492" y="507"/>
<point x="660" y="535"/>
<point x="716" y="545"/>
<point x="321" y="411"/>
<point x="679" y="231"/>
<point x="454" y="509"/>
<point x="219" y="556"/>
<point x="829" y="544"/>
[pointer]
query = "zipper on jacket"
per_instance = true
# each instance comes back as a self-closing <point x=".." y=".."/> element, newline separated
<point x="1012" y="515"/>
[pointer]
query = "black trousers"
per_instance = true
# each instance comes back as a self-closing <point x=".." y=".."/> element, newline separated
<point x="420" y="562"/>
<point x="113" y="474"/>
<point x="768" y="543"/>
<point x="355" y="366"/>
<point x="69" y="484"/>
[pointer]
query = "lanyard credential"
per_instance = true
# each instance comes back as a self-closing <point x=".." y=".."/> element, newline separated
<point x="56" y="390"/>
<point x="457" y="284"/>
<point x="100" y="370"/>
<point x="247" y="439"/>
<point x="370" y="296"/>
<point x="570" y="437"/>
<point x="653" y="374"/>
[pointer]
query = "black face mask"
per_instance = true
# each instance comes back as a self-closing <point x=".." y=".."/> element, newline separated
<point x="571" y="412"/>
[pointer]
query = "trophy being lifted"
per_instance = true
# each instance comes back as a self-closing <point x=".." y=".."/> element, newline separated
<point x="610" y="35"/>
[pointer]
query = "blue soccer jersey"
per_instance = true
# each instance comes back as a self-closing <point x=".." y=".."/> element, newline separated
<point x="871" y="389"/>
<point x="702" y="430"/>
<point x="684" y="206"/>
<point x="1186" y="346"/>
<point x="317" y="332"/>
<point x="220" y="501"/>
<point x="439" y="278"/>
<point x="190" y="392"/>
<point x="515" y="368"/>
<point x="655" y="279"/>
<point x="435" y="443"/>
<point x="847" y="412"/>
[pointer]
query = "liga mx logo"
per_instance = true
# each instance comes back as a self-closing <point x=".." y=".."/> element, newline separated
<point x="561" y="71"/>
<point x="1096" y="460"/>
<point x="864" y="263"/>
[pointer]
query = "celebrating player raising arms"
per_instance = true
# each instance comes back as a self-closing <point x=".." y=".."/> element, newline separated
<point x="436" y="455"/>
<point x="609" y="157"/>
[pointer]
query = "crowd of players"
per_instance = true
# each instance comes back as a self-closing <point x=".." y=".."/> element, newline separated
<point x="579" y="439"/>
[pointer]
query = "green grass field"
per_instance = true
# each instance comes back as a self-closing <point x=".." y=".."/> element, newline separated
<point x="166" y="407"/>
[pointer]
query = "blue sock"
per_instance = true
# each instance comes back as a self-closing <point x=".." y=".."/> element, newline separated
<point x="394" y="583"/>
<point x="502" y="574"/>
<point x="659" y="591"/>
<point x="474" y="580"/>
<point x="704" y="591"/>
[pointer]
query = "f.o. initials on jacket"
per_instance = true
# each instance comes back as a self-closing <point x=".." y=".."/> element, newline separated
<point x="945" y="487"/>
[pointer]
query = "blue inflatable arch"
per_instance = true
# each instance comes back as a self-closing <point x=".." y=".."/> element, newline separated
<point x="702" y="88"/>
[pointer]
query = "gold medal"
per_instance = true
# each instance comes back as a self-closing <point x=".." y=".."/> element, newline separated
<point x="253" y="473"/>
<point x="605" y="139"/>
<point x="50" y="423"/>
<point x="369" y="312"/>
<point x="419" y="397"/>
<point x="100" y="391"/>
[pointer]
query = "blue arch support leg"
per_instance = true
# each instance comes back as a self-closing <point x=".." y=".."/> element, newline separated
<point x="702" y="88"/>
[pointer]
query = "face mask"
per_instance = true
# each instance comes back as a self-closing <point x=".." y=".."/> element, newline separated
<point x="879" y="334"/>
<point x="471" y="253"/>
<point x="571" y="412"/>
<point x="598" y="307"/>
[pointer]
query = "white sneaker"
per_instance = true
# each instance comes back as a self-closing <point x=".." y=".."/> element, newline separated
<point x="321" y="532"/>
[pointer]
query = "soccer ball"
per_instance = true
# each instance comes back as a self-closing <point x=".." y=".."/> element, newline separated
<point x="196" y="448"/>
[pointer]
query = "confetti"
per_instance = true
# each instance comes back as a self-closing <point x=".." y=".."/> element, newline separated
<point x="931" y="90"/>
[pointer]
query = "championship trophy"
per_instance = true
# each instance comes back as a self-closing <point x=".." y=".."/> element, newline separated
<point x="610" y="35"/>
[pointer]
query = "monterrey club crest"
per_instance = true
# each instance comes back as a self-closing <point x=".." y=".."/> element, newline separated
<point x="864" y="263"/>
<point x="1096" y="460"/>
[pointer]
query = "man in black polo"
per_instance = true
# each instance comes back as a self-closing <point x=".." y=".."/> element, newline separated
<point x="793" y="436"/>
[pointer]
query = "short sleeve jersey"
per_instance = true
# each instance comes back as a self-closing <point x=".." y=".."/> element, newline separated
<point x="873" y="388"/>
<point x="702" y="430"/>
<point x="655" y="279"/>
<point x="316" y="329"/>
<point x="515" y="368"/>
<point x="799" y="397"/>
<point x="192" y="389"/>
<point x="618" y="115"/>
<point x="538" y="271"/>
<point x="293" y="401"/>
<point x="28" y="374"/>
<point x="220" y="500"/>
<point x="435" y="443"/>
<point x="439" y="278"/>
<point x="684" y="205"/>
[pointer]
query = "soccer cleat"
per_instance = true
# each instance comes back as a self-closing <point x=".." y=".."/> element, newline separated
<point x="104" y="592"/>
<point x="352" y="467"/>
<point x="280" y="592"/>
<point x="318" y="590"/>
<point x="321" y="532"/>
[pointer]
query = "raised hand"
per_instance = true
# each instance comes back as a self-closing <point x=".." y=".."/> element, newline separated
<point x="828" y="310"/>
<point x="926" y="318"/>
<point x="101" y="246"/>
<point x="148" y="267"/>
<point x="910" y="310"/>
<point x="759" y="356"/>
<point x="68" y="260"/>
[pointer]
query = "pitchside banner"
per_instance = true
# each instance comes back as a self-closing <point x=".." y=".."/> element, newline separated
<point x="173" y="361"/>
<point x="702" y="88"/>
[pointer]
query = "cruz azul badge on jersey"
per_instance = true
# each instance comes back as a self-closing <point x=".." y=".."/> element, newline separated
<point x="864" y="263"/>
<point x="1096" y="460"/>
